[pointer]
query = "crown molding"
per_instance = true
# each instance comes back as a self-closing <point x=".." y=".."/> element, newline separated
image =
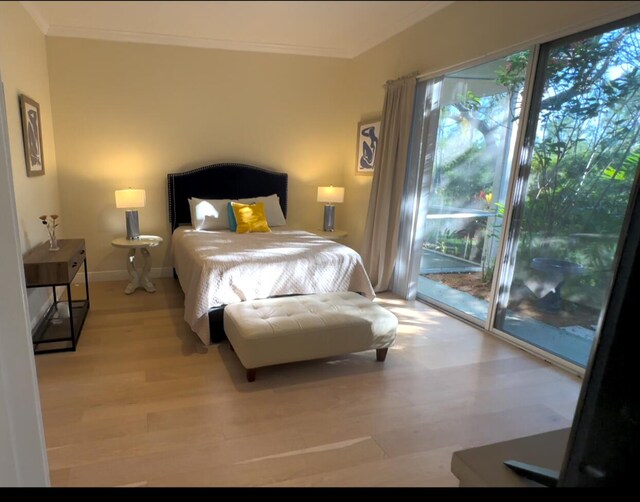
<point x="35" y="14"/>
<point x="201" y="42"/>
<point x="391" y="30"/>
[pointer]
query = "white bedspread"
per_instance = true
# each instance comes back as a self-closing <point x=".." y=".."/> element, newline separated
<point x="222" y="267"/>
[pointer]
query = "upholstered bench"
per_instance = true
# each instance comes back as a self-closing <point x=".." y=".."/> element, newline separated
<point x="299" y="328"/>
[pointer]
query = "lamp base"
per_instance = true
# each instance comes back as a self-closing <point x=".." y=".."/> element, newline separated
<point x="329" y="218"/>
<point x="133" y="229"/>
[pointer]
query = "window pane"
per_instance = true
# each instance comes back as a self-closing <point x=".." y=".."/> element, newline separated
<point x="476" y="133"/>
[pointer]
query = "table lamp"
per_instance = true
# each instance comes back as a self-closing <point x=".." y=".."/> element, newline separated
<point x="131" y="199"/>
<point x="331" y="195"/>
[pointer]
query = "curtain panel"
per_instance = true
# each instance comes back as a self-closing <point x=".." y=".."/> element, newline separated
<point x="380" y="244"/>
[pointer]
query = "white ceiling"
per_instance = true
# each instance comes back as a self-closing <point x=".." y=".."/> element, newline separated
<point x="314" y="28"/>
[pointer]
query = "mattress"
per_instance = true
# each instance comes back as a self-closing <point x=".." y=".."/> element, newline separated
<point x="217" y="268"/>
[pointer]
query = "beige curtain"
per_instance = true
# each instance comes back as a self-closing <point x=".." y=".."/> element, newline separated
<point x="383" y="218"/>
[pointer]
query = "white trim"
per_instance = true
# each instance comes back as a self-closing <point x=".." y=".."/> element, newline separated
<point x="121" y="275"/>
<point x="389" y="31"/>
<point x="23" y="455"/>
<point x="360" y="48"/>
<point x="201" y="42"/>
<point x="614" y="15"/>
<point x="36" y="15"/>
<point x="42" y="311"/>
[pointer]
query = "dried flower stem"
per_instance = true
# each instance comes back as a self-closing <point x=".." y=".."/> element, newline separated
<point x="51" y="224"/>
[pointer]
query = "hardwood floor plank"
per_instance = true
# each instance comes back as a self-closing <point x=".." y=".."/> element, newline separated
<point x="130" y="445"/>
<point x="97" y="430"/>
<point x="425" y="469"/>
<point x="59" y="477"/>
<point x="269" y="470"/>
<point x="471" y="430"/>
<point x="143" y="403"/>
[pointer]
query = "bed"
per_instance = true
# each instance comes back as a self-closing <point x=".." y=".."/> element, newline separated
<point x="220" y="267"/>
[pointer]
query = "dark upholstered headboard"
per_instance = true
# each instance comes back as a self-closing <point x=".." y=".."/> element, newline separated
<point x="222" y="181"/>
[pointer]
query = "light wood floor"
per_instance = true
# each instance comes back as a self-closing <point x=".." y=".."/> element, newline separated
<point x="143" y="403"/>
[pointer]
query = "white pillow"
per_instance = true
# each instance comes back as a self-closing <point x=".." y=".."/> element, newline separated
<point x="209" y="214"/>
<point x="272" y="209"/>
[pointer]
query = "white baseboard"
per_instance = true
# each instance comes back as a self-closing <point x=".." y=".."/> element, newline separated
<point x="60" y="290"/>
<point x="40" y="314"/>
<point x="121" y="275"/>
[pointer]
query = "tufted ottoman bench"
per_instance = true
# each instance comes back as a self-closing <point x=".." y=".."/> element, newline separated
<point x="299" y="328"/>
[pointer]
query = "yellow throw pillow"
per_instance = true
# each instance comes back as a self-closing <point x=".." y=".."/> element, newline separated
<point x="250" y="217"/>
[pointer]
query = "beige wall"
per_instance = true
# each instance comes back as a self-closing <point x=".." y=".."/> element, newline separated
<point x="23" y="66"/>
<point x="23" y="63"/>
<point x="127" y="114"/>
<point x="461" y="32"/>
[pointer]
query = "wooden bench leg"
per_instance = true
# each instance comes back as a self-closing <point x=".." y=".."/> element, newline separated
<point x="381" y="354"/>
<point x="251" y="375"/>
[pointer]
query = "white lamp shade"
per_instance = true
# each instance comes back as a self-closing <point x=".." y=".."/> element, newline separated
<point x="130" y="198"/>
<point x="331" y="194"/>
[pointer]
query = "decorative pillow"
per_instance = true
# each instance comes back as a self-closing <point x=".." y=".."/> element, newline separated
<point x="272" y="209"/>
<point x="232" y="218"/>
<point x="250" y="217"/>
<point x="209" y="214"/>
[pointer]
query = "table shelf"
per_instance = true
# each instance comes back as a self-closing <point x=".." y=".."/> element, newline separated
<point x="52" y="329"/>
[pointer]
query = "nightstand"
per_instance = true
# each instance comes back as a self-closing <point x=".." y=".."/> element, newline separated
<point x="336" y="235"/>
<point x="139" y="278"/>
<point x="62" y="323"/>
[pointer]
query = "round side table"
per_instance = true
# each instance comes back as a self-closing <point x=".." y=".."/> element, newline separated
<point x="139" y="278"/>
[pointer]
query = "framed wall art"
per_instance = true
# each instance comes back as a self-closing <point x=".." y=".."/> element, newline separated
<point x="368" y="139"/>
<point x="32" y="136"/>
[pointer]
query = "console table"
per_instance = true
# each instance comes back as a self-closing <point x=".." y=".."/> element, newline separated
<point x="61" y="326"/>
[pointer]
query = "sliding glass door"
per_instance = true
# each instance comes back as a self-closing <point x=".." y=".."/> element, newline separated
<point x="585" y="148"/>
<point x="532" y="258"/>
<point x="477" y="123"/>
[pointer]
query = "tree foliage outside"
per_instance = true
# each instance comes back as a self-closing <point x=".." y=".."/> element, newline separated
<point x="472" y="158"/>
<point x="585" y="157"/>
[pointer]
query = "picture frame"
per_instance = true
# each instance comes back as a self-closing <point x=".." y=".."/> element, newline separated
<point x="32" y="136"/>
<point x="368" y="142"/>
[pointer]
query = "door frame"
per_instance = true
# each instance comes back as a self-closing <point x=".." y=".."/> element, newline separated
<point x="23" y="454"/>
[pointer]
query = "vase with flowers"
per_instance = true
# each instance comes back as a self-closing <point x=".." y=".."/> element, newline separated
<point x="51" y="222"/>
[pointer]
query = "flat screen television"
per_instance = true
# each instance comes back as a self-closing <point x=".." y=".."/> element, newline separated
<point x="604" y="444"/>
